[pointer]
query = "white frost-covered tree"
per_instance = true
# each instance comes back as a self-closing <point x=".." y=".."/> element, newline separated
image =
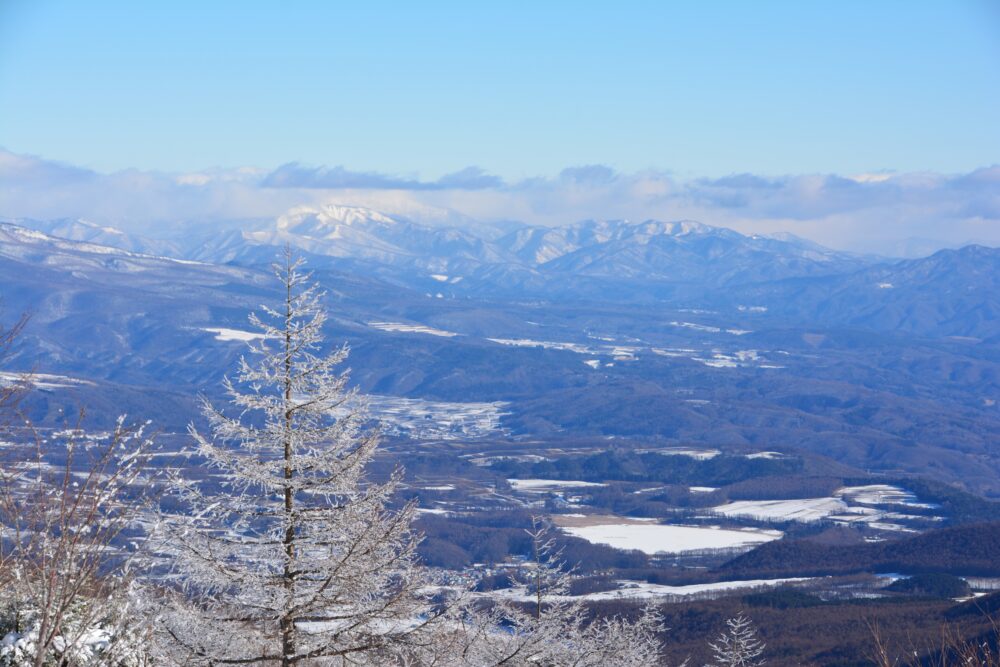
<point x="738" y="645"/>
<point x="550" y="628"/>
<point x="297" y="560"/>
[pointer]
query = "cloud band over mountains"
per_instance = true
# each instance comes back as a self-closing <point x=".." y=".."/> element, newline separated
<point x="867" y="212"/>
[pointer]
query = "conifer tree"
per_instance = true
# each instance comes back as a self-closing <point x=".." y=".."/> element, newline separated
<point x="298" y="560"/>
<point x="739" y="645"/>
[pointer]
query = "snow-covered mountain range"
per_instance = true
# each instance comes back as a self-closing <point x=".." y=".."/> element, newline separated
<point x="668" y="330"/>
<point x="536" y="259"/>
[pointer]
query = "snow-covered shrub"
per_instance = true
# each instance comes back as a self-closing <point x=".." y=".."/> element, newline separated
<point x="65" y="578"/>
<point x="82" y="641"/>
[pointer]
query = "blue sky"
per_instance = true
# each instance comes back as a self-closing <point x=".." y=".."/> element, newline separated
<point x="520" y="89"/>
<point x="858" y="124"/>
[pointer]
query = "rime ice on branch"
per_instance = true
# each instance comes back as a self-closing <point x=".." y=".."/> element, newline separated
<point x="738" y="646"/>
<point x="297" y="560"/>
<point x="552" y="630"/>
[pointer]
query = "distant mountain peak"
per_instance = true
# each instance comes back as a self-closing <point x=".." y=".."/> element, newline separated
<point x="331" y="216"/>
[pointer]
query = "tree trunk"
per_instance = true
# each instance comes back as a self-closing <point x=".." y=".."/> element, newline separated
<point x="287" y="621"/>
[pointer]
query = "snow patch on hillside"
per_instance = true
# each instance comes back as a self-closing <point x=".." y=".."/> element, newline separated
<point x="41" y="380"/>
<point x="659" y="538"/>
<point x="418" y="418"/>
<point x="411" y="328"/>
<point x="228" y="335"/>
<point x="548" y="345"/>
<point x="847" y="505"/>
<point x="545" y="485"/>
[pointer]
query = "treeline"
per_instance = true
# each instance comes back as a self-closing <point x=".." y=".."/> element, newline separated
<point x="629" y="466"/>
<point x="958" y="505"/>
<point x="800" y="629"/>
<point x="972" y="549"/>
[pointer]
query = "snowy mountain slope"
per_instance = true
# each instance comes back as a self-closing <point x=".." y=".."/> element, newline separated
<point x="147" y="334"/>
<point x="589" y="259"/>
<point x="692" y="252"/>
<point x="586" y="259"/>
<point x="950" y="293"/>
<point x="362" y="234"/>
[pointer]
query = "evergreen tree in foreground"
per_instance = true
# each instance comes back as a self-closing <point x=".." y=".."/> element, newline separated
<point x="297" y="561"/>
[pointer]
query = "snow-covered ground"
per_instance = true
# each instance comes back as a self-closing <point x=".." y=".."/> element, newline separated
<point x="738" y="359"/>
<point x="640" y="590"/>
<point x="851" y="504"/>
<point x="658" y="538"/>
<point x="631" y="590"/>
<point x="490" y="460"/>
<point x="690" y="452"/>
<point x="705" y="454"/>
<point x="41" y="380"/>
<point x="882" y="494"/>
<point x="545" y="485"/>
<point x="417" y="418"/>
<point x="227" y="335"/>
<point x="709" y="329"/>
<point x="435" y="510"/>
<point x="442" y="278"/>
<point x="548" y="345"/>
<point x="766" y="455"/>
<point x="808" y="509"/>
<point x="411" y="328"/>
<point x="675" y="352"/>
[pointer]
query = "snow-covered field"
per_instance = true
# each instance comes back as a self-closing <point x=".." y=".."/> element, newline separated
<point x="548" y="345"/>
<point x="882" y="494"/>
<point x="705" y="454"/>
<point x="442" y="278"/>
<point x="640" y="590"/>
<point x="411" y="328"/>
<point x="738" y="359"/>
<point x="41" y="380"/>
<point x="228" y="335"/>
<point x="674" y="352"/>
<point x="489" y="460"/>
<point x="428" y="510"/>
<point x="709" y="329"/>
<point x="658" y="538"/>
<point x="851" y="504"/>
<point x="766" y="455"/>
<point x="690" y="452"/>
<point x="417" y="418"/>
<point x="600" y="354"/>
<point x="808" y="509"/>
<point x="545" y="485"/>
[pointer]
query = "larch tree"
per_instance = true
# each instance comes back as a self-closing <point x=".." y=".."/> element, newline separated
<point x="298" y="560"/>
<point x="738" y="645"/>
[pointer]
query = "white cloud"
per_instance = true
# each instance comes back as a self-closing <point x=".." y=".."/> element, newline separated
<point x="871" y="212"/>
